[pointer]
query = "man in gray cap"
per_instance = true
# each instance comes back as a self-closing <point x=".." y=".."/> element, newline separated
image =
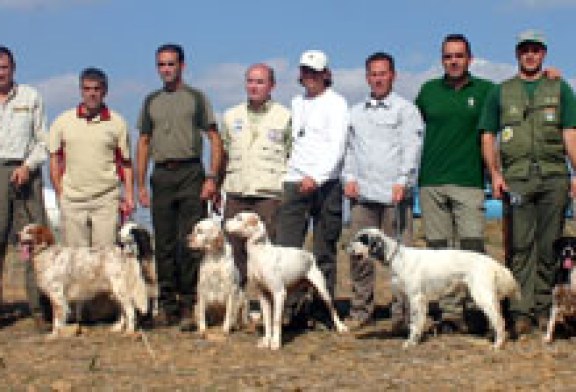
<point x="312" y="188"/>
<point x="535" y="119"/>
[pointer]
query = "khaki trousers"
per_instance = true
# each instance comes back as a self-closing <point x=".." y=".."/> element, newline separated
<point x="91" y="222"/>
<point x="395" y="222"/>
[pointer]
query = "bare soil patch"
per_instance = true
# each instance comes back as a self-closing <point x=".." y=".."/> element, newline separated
<point x="167" y="359"/>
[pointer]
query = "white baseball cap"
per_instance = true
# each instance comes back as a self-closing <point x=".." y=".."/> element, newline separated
<point x="314" y="59"/>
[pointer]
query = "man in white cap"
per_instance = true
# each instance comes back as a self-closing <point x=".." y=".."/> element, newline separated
<point x="312" y="187"/>
<point x="535" y="118"/>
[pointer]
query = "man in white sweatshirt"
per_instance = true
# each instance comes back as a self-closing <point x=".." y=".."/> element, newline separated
<point x="312" y="187"/>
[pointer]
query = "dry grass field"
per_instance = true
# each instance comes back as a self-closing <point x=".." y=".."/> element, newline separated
<point x="167" y="359"/>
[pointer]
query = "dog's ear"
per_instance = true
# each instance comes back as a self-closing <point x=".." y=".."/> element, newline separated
<point x="252" y="220"/>
<point x="44" y="236"/>
<point x="376" y="248"/>
<point x="558" y="245"/>
<point x="218" y="242"/>
<point x="143" y="242"/>
<point x="364" y="239"/>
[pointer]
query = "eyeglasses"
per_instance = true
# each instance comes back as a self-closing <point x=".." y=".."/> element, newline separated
<point x="449" y="56"/>
<point x="169" y="64"/>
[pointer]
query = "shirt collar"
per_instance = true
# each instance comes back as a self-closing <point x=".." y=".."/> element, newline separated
<point x="263" y="109"/>
<point x="13" y="91"/>
<point x="82" y="112"/>
<point x="469" y="81"/>
<point x="373" y="103"/>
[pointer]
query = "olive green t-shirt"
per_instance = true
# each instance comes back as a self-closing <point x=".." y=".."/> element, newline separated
<point x="451" y="152"/>
<point x="175" y="119"/>
<point x="490" y="118"/>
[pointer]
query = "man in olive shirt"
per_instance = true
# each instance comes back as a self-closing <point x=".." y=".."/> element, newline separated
<point x="535" y="119"/>
<point x="171" y="124"/>
<point x="451" y="175"/>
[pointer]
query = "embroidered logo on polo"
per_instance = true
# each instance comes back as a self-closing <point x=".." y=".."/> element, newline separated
<point x="507" y="134"/>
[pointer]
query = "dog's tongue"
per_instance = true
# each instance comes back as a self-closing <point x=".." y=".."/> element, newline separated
<point x="568" y="263"/>
<point x="25" y="252"/>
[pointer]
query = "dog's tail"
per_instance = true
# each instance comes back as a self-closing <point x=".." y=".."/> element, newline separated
<point x="506" y="285"/>
<point x="138" y="288"/>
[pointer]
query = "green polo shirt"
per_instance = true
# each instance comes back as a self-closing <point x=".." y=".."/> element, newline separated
<point x="451" y="152"/>
<point x="490" y="118"/>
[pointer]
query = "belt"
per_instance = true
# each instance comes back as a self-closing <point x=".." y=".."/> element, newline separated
<point x="173" y="164"/>
<point x="11" y="162"/>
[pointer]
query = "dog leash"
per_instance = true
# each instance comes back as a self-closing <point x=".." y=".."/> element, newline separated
<point x="19" y="196"/>
<point x="398" y="230"/>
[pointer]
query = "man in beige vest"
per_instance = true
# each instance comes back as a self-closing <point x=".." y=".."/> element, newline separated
<point x="256" y="137"/>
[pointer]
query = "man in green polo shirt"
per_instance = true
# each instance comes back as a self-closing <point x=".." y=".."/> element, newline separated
<point x="535" y="119"/>
<point x="451" y="175"/>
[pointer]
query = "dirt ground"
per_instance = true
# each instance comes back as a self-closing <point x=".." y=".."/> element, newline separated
<point x="167" y="359"/>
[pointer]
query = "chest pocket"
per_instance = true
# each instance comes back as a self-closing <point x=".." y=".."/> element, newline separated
<point x="21" y="117"/>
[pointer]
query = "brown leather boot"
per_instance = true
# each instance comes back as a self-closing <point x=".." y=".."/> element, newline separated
<point x="40" y="322"/>
<point x="187" y="319"/>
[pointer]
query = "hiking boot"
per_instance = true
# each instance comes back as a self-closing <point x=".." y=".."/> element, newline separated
<point x="187" y="319"/>
<point x="40" y="323"/>
<point x="542" y="322"/>
<point x="398" y="327"/>
<point x="164" y="319"/>
<point x="450" y="325"/>
<point x="358" y="323"/>
<point x="522" y="325"/>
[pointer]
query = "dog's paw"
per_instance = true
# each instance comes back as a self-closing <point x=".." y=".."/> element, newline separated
<point x="409" y="343"/>
<point x="547" y="339"/>
<point x="117" y="327"/>
<point x="341" y="327"/>
<point x="263" y="343"/>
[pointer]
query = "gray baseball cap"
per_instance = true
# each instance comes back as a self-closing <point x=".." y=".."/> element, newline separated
<point x="532" y="36"/>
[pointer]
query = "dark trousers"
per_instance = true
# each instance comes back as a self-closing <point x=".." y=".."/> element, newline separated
<point x="266" y="208"/>
<point x="323" y="208"/>
<point x="537" y="220"/>
<point x="176" y="208"/>
<point x="18" y="207"/>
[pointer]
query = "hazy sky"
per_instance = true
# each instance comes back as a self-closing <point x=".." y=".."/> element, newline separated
<point x="54" y="39"/>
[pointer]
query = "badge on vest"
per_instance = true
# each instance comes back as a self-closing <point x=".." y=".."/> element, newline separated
<point x="238" y="125"/>
<point x="275" y="135"/>
<point x="471" y="102"/>
<point x="507" y="134"/>
<point x="513" y="110"/>
<point x="550" y="114"/>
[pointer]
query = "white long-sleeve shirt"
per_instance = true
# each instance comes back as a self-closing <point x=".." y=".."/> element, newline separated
<point x="23" y="127"/>
<point x="384" y="146"/>
<point x="319" y="131"/>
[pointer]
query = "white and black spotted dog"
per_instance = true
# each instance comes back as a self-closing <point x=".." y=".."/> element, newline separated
<point x="424" y="275"/>
<point x="136" y="240"/>
<point x="218" y="277"/>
